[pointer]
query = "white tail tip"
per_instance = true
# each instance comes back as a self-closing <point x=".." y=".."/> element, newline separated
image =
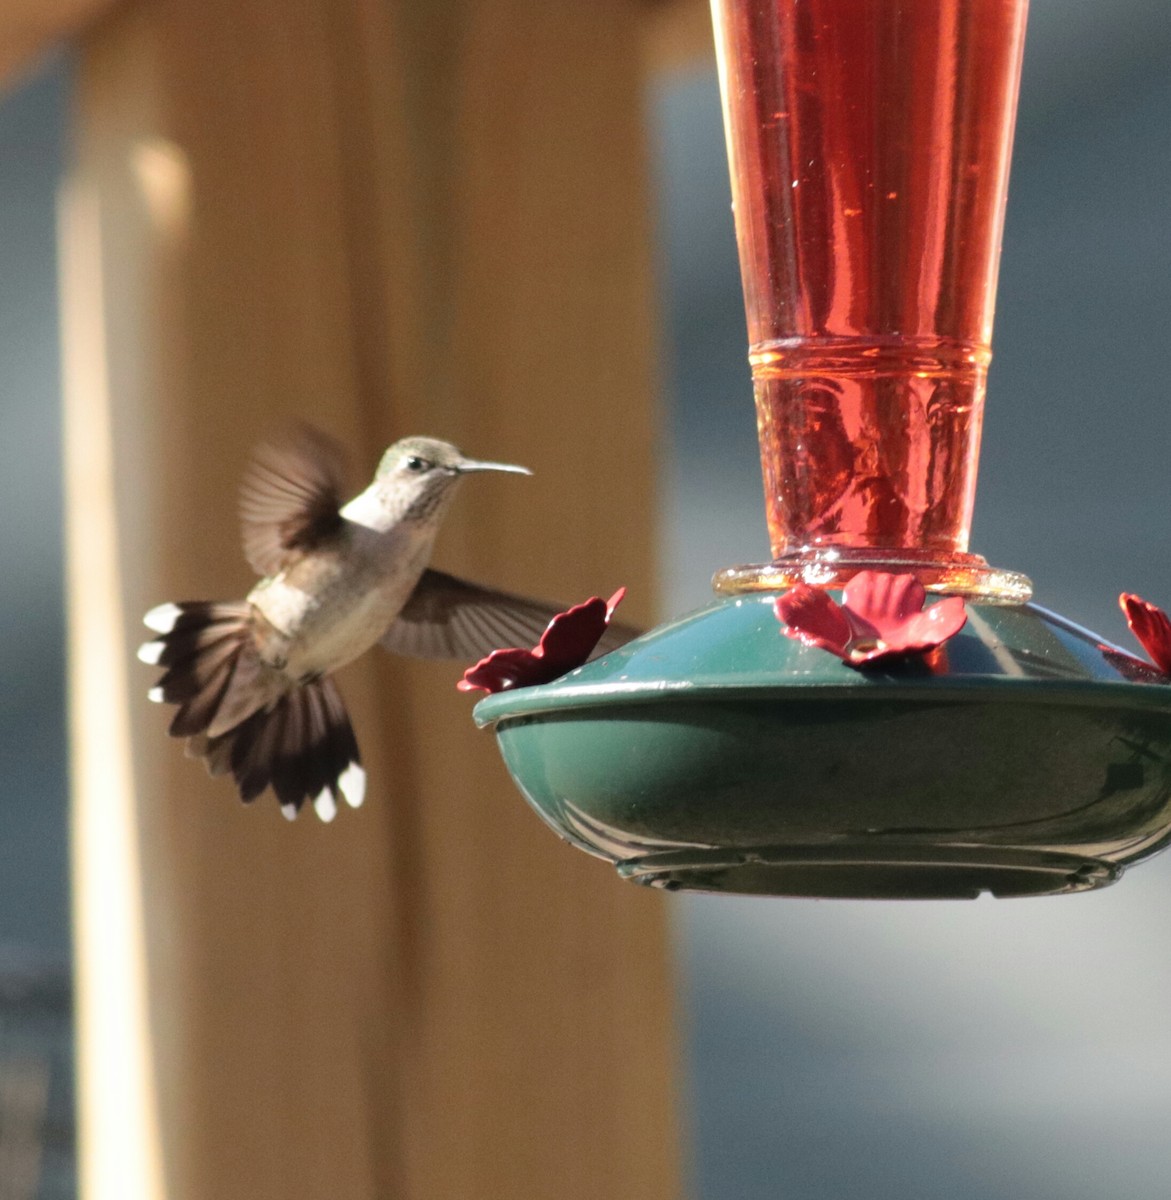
<point x="289" y="812"/>
<point x="352" y="785"/>
<point x="150" y="653"/>
<point x="155" y="695"/>
<point x="162" y="618"/>
<point x="325" y="806"/>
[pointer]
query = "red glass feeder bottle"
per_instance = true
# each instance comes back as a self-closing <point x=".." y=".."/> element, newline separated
<point x="869" y="144"/>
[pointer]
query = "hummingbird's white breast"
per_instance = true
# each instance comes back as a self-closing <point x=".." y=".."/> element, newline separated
<point x="337" y="601"/>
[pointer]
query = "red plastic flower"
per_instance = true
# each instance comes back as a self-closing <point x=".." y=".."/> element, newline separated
<point x="567" y="642"/>
<point x="881" y="617"/>
<point x="1151" y="626"/>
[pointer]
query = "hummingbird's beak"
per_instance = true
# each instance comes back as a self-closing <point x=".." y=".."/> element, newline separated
<point x="466" y="465"/>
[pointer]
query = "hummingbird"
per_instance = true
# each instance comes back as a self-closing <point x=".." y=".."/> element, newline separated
<point x="252" y="678"/>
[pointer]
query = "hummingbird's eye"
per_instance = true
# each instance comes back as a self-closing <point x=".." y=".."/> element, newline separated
<point x="417" y="464"/>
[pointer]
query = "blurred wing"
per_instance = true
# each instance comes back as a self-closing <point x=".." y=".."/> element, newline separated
<point x="290" y="497"/>
<point x="447" y="617"/>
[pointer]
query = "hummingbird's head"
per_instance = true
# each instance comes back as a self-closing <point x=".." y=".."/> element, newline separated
<point x="421" y="473"/>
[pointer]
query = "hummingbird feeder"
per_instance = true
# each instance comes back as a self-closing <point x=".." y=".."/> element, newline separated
<point x="876" y="712"/>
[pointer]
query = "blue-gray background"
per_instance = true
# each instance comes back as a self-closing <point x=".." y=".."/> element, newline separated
<point x="34" y="910"/>
<point x="835" y="1050"/>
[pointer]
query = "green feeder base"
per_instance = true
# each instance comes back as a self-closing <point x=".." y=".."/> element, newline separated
<point x="714" y="753"/>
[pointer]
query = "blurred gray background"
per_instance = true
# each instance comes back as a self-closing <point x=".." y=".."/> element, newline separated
<point x="834" y="1050"/>
<point x="36" y="1102"/>
<point x="33" y="904"/>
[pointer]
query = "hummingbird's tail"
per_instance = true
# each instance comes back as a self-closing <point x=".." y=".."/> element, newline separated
<point x="244" y="718"/>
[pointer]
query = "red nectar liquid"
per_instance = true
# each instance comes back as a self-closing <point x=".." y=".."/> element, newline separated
<point x="869" y="143"/>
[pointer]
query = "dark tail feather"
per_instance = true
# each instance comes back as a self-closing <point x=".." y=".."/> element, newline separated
<point x="212" y="671"/>
<point x="242" y="718"/>
<point x="226" y="698"/>
<point x="302" y="746"/>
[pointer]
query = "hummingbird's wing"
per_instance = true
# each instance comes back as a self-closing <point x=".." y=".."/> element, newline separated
<point x="290" y="498"/>
<point x="448" y="617"/>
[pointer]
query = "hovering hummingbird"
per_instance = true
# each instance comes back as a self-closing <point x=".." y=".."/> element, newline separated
<point x="251" y="677"/>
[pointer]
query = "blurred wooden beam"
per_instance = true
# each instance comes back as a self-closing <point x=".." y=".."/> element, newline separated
<point x="388" y="216"/>
<point x="28" y="28"/>
<point x="678" y="35"/>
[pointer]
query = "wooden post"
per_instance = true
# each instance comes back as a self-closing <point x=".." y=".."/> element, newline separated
<point x="390" y="217"/>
